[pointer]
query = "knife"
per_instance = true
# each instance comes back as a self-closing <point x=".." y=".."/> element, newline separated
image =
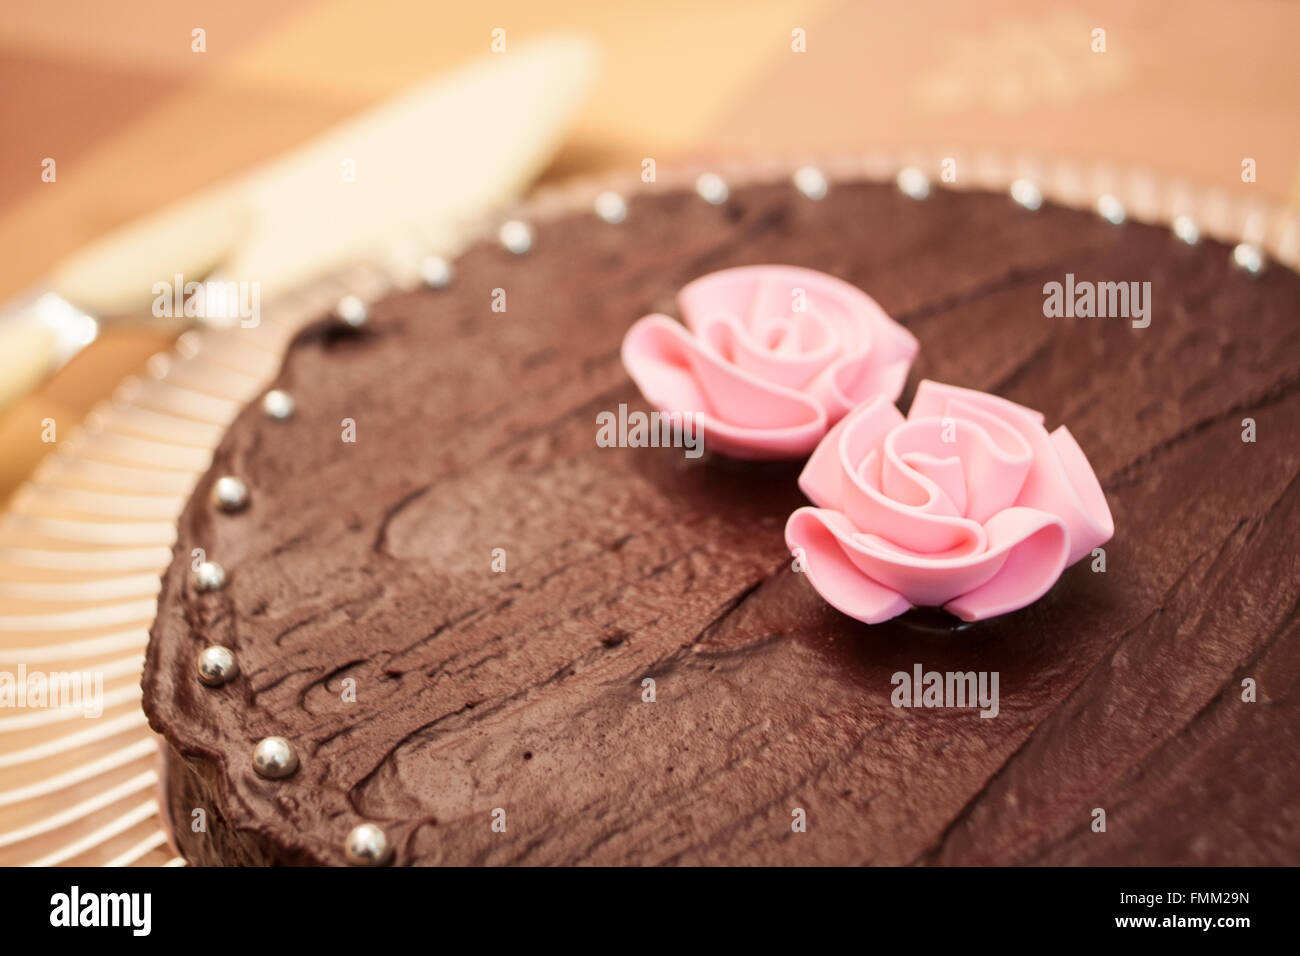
<point x="409" y="170"/>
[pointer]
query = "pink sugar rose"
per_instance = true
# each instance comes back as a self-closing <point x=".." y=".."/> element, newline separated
<point x="769" y="359"/>
<point x="967" y="504"/>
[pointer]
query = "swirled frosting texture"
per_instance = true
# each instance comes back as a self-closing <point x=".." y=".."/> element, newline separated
<point x="968" y="503"/>
<point x="769" y="359"/>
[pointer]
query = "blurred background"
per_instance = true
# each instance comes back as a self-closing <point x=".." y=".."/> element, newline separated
<point x="136" y="118"/>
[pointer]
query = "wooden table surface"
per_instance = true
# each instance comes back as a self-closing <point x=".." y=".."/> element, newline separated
<point x="134" y="118"/>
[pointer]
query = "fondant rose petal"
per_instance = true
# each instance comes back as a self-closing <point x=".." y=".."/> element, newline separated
<point x="766" y="358"/>
<point x="1069" y="491"/>
<point x="741" y="415"/>
<point x="853" y="379"/>
<point x="948" y="475"/>
<point x="756" y="293"/>
<point x="932" y="399"/>
<point x="880" y="370"/>
<point x="830" y="571"/>
<point x="1060" y="479"/>
<point x="1088" y="518"/>
<point x="757" y="370"/>
<point x="823" y="477"/>
<point x="923" y="523"/>
<point x="929" y="579"/>
<point x="967" y="504"/>
<point x="655" y="356"/>
<point x="872" y="352"/>
<point x="727" y="292"/>
<point x="936" y="579"/>
<point x="995" y="458"/>
<point x="1036" y="546"/>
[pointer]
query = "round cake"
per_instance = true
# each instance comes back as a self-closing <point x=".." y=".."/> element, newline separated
<point x="486" y="637"/>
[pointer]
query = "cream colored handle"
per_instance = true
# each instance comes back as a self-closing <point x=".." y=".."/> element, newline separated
<point x="448" y="150"/>
<point x="440" y="154"/>
<point x="27" y="350"/>
<point x="116" y="275"/>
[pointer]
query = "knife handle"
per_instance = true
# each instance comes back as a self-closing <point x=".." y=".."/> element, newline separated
<point x="38" y="333"/>
<point x="27" y="353"/>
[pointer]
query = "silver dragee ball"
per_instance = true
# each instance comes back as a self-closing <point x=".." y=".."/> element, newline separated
<point x="209" y="576"/>
<point x="1186" y="230"/>
<point x="712" y="189"/>
<point x="611" y="208"/>
<point x="1024" y="192"/>
<point x="217" y="665"/>
<point x="435" y="271"/>
<point x="368" y="845"/>
<point x="352" y="311"/>
<point x="277" y="405"/>
<point x="516" y="236"/>
<point x="1111" y="209"/>
<point x="913" y="182"/>
<point x="811" y="181"/>
<point x="230" y="493"/>
<point x="273" y="758"/>
<point x="1248" y="257"/>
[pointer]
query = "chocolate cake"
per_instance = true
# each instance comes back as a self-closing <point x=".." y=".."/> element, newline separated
<point x="499" y="642"/>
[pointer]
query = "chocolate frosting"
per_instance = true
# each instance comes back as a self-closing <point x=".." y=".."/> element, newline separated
<point x="371" y="562"/>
